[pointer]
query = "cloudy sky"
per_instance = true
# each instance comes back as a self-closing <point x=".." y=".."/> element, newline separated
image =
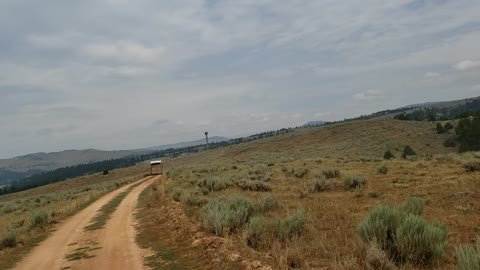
<point x="118" y="74"/>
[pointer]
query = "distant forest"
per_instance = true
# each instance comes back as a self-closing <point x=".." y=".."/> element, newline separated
<point x="107" y="165"/>
<point x="471" y="108"/>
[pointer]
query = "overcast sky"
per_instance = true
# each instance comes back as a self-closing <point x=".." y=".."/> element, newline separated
<point x="118" y="74"/>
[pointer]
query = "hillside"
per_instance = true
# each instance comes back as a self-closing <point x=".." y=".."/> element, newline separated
<point x="214" y="139"/>
<point x="351" y="140"/>
<point x="23" y="166"/>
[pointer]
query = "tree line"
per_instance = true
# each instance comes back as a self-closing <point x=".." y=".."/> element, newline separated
<point x="62" y="174"/>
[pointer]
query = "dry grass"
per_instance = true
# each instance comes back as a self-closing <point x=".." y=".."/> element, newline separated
<point x="29" y="215"/>
<point x="330" y="240"/>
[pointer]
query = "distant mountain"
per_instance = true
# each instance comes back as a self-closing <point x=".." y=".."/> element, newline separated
<point x="314" y="124"/>
<point x="23" y="166"/>
<point x="214" y="139"/>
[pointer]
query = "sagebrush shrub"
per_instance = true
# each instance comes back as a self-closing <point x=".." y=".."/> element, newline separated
<point x="254" y="185"/>
<point x="215" y="183"/>
<point x="9" y="240"/>
<point x="413" y="205"/>
<point x="268" y="203"/>
<point x="226" y="214"/>
<point x="193" y="199"/>
<point x="331" y="173"/>
<point x="472" y="166"/>
<point x="260" y="232"/>
<point x="419" y="242"/>
<point x="382" y="170"/>
<point x="468" y="258"/>
<point x="300" y="172"/>
<point x="177" y="194"/>
<point x="40" y="219"/>
<point x="322" y="184"/>
<point x="351" y="182"/>
<point x="404" y="235"/>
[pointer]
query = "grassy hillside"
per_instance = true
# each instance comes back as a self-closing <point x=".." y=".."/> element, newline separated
<point x="24" y="166"/>
<point x="354" y="140"/>
<point x="300" y="219"/>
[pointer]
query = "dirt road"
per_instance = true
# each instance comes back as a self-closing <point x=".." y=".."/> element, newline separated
<point x="112" y="247"/>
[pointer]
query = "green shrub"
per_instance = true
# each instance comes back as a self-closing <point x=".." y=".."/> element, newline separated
<point x="193" y="199"/>
<point x="448" y="126"/>
<point x="268" y="203"/>
<point x="260" y="232"/>
<point x="440" y="129"/>
<point x="322" y="184"/>
<point x="254" y="185"/>
<point x="215" y="183"/>
<point x="351" y="182"/>
<point x="408" y="151"/>
<point x="10" y="208"/>
<point x="382" y="170"/>
<point x="300" y="172"/>
<point x="472" y="166"/>
<point x="373" y="194"/>
<point x="388" y="155"/>
<point x="419" y="242"/>
<point x="39" y="219"/>
<point x="9" y="240"/>
<point x="226" y="214"/>
<point x="468" y="258"/>
<point x="331" y="173"/>
<point x="403" y="235"/>
<point x="449" y="142"/>
<point x="291" y="226"/>
<point x="177" y="194"/>
<point x="413" y="205"/>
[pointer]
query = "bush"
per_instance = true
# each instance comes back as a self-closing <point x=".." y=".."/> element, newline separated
<point x="226" y="214"/>
<point x="105" y="172"/>
<point x="419" y="242"/>
<point x="9" y="240"/>
<point x="382" y="170"/>
<point x="472" y="166"/>
<point x="440" y="129"/>
<point x="322" y="184"/>
<point x="413" y="205"/>
<point x="40" y="219"/>
<point x="468" y="131"/>
<point x="468" y="258"/>
<point x="351" y="182"/>
<point x="215" y="183"/>
<point x="260" y="232"/>
<point x="267" y="204"/>
<point x="177" y="194"/>
<point x="254" y="185"/>
<point x="408" y="151"/>
<point x="448" y="126"/>
<point x="331" y="173"/>
<point x="300" y="172"/>
<point x="291" y="226"/>
<point x="388" y="155"/>
<point x="449" y="142"/>
<point x="193" y="199"/>
<point x="404" y="236"/>
<point x="373" y="194"/>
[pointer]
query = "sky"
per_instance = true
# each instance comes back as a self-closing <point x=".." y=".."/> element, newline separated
<point x="118" y="74"/>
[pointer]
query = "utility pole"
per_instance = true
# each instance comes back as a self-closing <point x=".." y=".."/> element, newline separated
<point x="206" y="138"/>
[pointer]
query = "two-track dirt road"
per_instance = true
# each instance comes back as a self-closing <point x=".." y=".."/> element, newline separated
<point x="112" y="247"/>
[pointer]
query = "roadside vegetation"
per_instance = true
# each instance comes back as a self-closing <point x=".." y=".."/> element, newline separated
<point x="26" y="218"/>
<point x="320" y="209"/>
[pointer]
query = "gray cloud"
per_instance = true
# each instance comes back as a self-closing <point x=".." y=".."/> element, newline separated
<point x="109" y="73"/>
